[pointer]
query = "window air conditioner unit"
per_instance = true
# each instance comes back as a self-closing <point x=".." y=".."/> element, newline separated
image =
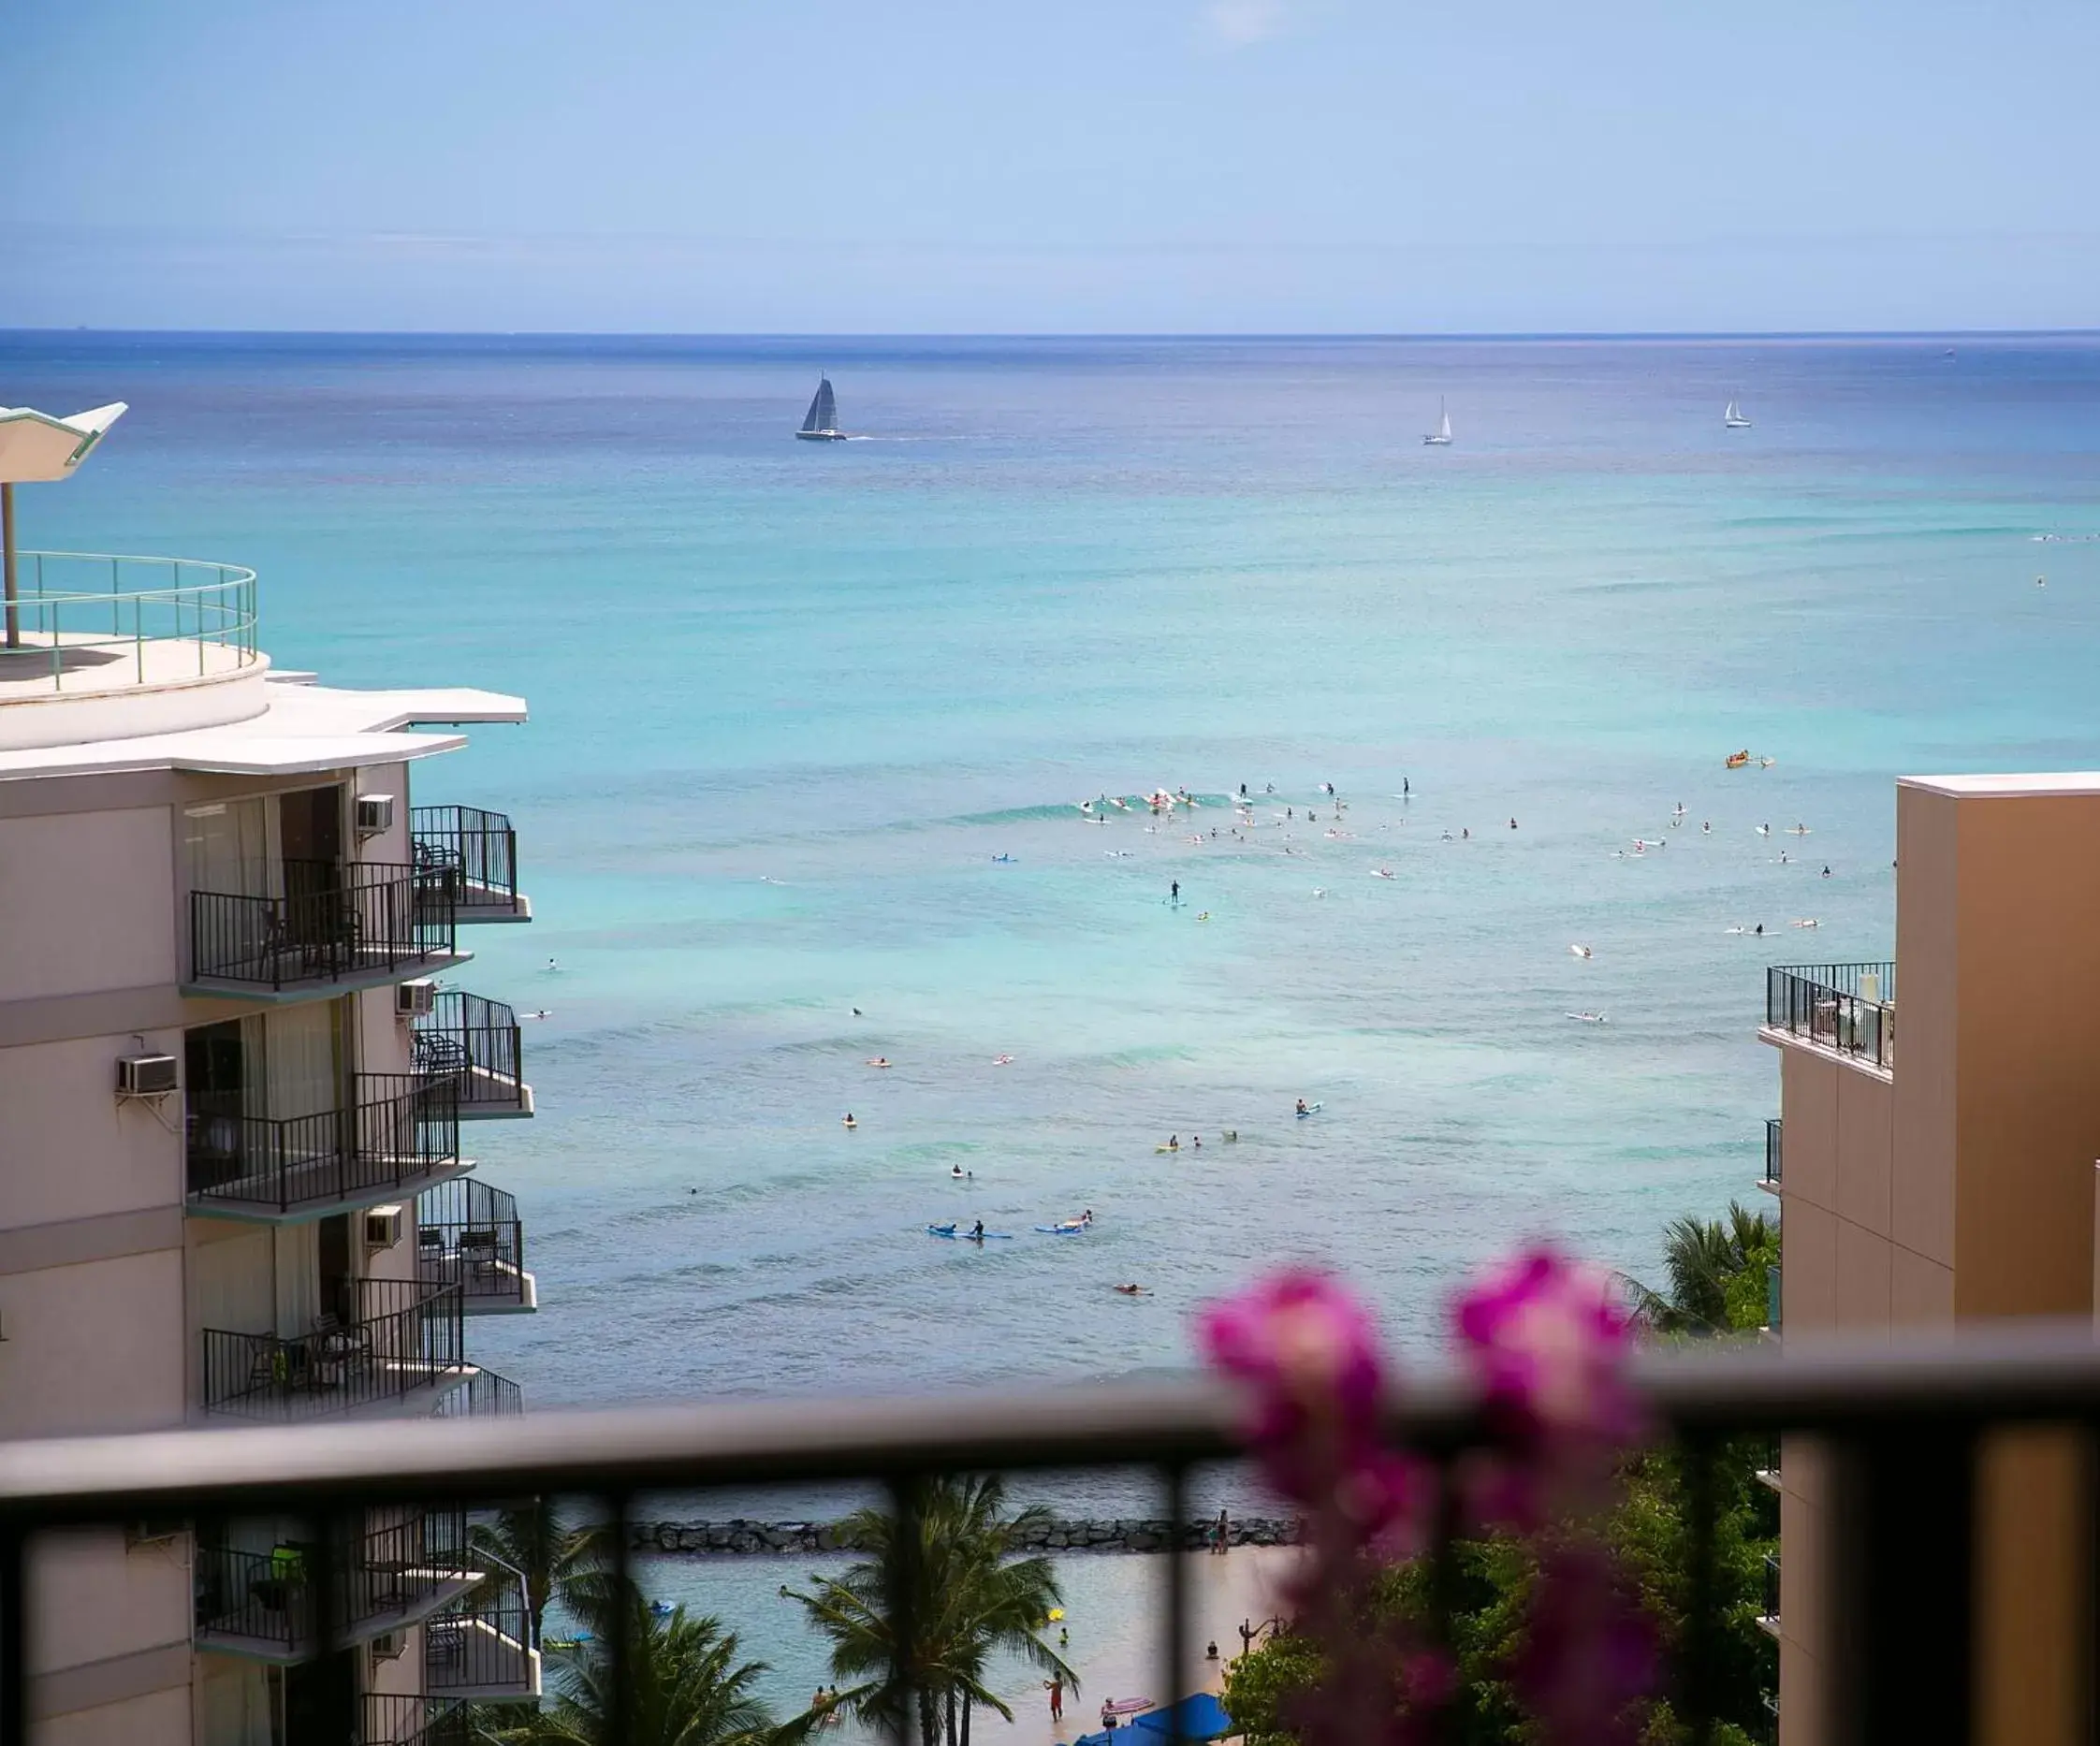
<point x="145" y="1075"/>
<point x="388" y="1647"/>
<point x="154" y="1529"/>
<point x="383" y="1227"/>
<point x="414" y="999"/>
<point x="376" y="813"/>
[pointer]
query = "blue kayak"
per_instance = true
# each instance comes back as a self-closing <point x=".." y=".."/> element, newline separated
<point x="954" y="1235"/>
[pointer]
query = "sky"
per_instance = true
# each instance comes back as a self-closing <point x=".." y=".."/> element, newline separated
<point x="1092" y="166"/>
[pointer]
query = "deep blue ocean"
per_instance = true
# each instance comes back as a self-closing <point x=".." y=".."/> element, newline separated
<point x="810" y="723"/>
<point x="792" y="701"/>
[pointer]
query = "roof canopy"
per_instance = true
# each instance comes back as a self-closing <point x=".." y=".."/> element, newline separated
<point x="36" y="447"/>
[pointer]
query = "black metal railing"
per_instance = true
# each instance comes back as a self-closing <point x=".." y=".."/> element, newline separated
<point x="1774" y="1151"/>
<point x="264" y="1600"/>
<point x="477" y="1042"/>
<point x="333" y="920"/>
<point x="1850" y="1008"/>
<point x="469" y="1234"/>
<point x="1901" y="1428"/>
<point x="398" y="1128"/>
<point x="485" y="1395"/>
<point x="476" y="849"/>
<point x="380" y="1339"/>
<point x="422" y="1720"/>
<point x="481" y="1646"/>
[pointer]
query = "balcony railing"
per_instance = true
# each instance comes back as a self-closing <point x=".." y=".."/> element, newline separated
<point x="422" y="1720"/>
<point x="1773" y="1153"/>
<point x="386" y="1340"/>
<point x="477" y="1042"/>
<point x="476" y="852"/>
<point x="485" y="1395"/>
<point x="264" y="1604"/>
<point x="1769" y="1617"/>
<point x="83" y="617"/>
<point x="400" y="1131"/>
<point x="482" y="1647"/>
<point x="334" y="922"/>
<point x="1850" y="1008"/>
<point x="1903" y="1426"/>
<point x="469" y="1235"/>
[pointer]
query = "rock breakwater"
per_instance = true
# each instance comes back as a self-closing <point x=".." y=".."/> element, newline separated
<point x="1121" y="1533"/>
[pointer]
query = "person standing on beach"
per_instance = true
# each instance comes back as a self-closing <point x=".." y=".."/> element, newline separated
<point x="1056" y="1686"/>
<point x="1224" y="1532"/>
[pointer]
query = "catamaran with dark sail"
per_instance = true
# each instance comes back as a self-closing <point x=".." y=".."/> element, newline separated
<point x="822" y="425"/>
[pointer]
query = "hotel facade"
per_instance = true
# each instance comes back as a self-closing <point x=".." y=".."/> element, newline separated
<point x="1950" y="1179"/>
<point x="239" y="1082"/>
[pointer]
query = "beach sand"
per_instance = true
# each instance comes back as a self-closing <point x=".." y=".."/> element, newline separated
<point x="1116" y="1612"/>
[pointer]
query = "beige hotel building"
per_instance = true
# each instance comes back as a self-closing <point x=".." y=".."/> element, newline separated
<point x="1941" y="1169"/>
<point x="236" y="1080"/>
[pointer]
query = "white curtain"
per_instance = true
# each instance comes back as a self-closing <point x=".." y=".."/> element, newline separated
<point x="234" y="1702"/>
<point x="228" y="847"/>
<point x="302" y="1059"/>
<point x="299" y="1277"/>
<point x="231" y="1281"/>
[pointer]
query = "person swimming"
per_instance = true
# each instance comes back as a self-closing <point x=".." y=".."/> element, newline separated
<point x="881" y="1060"/>
<point x="1130" y="1290"/>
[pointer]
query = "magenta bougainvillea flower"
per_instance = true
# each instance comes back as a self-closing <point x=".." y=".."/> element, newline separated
<point x="1308" y="1354"/>
<point x="1548" y="1345"/>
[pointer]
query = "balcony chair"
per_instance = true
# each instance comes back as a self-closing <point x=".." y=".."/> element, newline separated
<point x="481" y="1249"/>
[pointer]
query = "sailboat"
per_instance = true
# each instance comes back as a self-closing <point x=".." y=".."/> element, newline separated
<point x="1734" y="420"/>
<point x="1441" y="436"/>
<point x="822" y="425"/>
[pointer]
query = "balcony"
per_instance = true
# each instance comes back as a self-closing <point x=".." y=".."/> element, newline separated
<point x="400" y="1136"/>
<point x="1849" y="1009"/>
<point x="468" y="1235"/>
<point x="1899" y="1422"/>
<point x="477" y="1043"/>
<point x="335" y="925"/>
<point x="485" y="1395"/>
<point x="1773" y="1155"/>
<point x="420" y="1720"/>
<point x="476" y="853"/>
<point x="100" y="646"/>
<point x="482" y="1648"/>
<point x="264" y="1605"/>
<point x="393" y="1346"/>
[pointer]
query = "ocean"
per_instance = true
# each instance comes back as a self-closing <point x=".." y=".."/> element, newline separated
<point x="811" y="725"/>
<point x="811" y="722"/>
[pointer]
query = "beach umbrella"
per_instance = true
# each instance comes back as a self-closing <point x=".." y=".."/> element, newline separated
<point x="35" y="449"/>
<point x="1200" y="1717"/>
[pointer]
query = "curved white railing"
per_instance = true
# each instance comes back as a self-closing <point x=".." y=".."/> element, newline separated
<point x="71" y="604"/>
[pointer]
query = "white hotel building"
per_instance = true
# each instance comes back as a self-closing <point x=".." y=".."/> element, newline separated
<point x="234" y="1078"/>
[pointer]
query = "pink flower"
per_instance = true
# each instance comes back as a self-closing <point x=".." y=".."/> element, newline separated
<point x="1308" y="1354"/>
<point x="1548" y="1345"/>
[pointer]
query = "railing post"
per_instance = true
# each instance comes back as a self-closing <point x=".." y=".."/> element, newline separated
<point x="14" y="1630"/>
<point x="1900" y="1604"/>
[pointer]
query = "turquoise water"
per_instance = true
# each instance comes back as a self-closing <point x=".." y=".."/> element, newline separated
<point x="790" y="701"/>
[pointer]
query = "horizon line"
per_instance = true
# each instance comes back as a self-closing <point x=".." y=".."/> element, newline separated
<point x="835" y="335"/>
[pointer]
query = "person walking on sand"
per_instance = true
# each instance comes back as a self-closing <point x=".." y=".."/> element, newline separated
<point x="1223" y="1533"/>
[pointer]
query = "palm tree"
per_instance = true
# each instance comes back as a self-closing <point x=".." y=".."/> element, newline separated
<point x="682" y="1679"/>
<point x="968" y="1598"/>
<point x="1705" y="1260"/>
<point x="549" y="1555"/>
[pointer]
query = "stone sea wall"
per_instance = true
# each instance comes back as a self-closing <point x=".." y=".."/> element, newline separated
<point x="1124" y="1534"/>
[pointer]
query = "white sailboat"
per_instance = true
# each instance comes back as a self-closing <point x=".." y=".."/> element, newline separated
<point x="822" y="425"/>
<point x="1441" y="436"/>
<point x="1733" y="418"/>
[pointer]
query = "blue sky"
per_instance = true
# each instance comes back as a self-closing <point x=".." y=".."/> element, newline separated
<point x="857" y="166"/>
